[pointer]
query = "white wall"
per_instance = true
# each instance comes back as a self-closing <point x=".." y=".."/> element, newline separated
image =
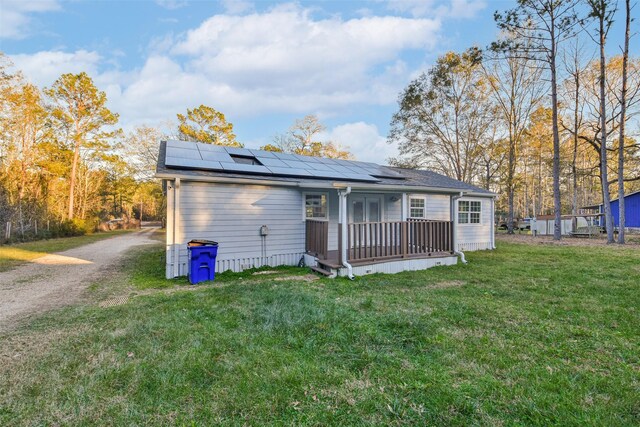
<point x="470" y="237"/>
<point x="473" y="237"/>
<point x="232" y="215"/>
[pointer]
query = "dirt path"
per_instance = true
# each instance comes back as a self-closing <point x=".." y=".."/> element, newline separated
<point x="633" y="240"/>
<point x="59" y="279"/>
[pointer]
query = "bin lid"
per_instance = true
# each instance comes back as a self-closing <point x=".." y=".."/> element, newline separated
<point x="202" y="242"/>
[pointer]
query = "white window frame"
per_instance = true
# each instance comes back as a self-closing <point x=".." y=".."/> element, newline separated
<point x="469" y="212"/>
<point x="424" y="208"/>
<point x="304" y="205"/>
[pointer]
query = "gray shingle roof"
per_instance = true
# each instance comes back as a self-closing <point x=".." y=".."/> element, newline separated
<point x="411" y="178"/>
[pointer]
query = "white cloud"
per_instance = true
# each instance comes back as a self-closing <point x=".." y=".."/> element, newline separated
<point x="449" y="8"/>
<point x="364" y="141"/>
<point x="285" y="54"/>
<point x="43" y="68"/>
<point x="466" y="8"/>
<point x="171" y="4"/>
<point x="15" y="19"/>
<point x="281" y="61"/>
<point x="236" y="7"/>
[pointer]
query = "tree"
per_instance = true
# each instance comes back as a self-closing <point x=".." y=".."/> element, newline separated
<point x="142" y="145"/>
<point x="538" y="28"/>
<point x="303" y="138"/>
<point x="603" y="11"/>
<point x="516" y="88"/>
<point x="623" y="117"/>
<point x="272" y="148"/>
<point x="444" y="117"/>
<point x="205" y="124"/>
<point x="81" y="116"/>
<point x="573" y="86"/>
<point x="28" y="126"/>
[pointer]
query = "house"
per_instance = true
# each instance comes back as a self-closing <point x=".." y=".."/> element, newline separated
<point x="343" y="217"/>
<point x="631" y="211"/>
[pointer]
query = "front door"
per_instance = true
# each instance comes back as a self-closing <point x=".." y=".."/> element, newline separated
<point x="366" y="209"/>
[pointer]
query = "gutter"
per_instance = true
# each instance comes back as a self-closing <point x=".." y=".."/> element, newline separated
<point x="343" y="223"/>
<point x="454" y="221"/>
<point x="323" y="185"/>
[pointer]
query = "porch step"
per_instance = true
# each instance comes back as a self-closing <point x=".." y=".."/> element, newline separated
<point x="321" y="271"/>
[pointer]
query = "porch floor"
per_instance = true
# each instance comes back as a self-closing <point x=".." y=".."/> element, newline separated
<point x="333" y="257"/>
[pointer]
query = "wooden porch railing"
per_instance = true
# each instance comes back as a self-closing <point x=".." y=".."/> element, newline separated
<point x="398" y="239"/>
<point x="317" y="238"/>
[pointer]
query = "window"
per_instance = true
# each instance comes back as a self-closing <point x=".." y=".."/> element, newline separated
<point x="315" y="206"/>
<point x="245" y="160"/>
<point x="416" y="207"/>
<point x="469" y="212"/>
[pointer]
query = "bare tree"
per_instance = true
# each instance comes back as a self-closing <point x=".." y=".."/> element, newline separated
<point x="517" y="90"/>
<point x="539" y="28"/>
<point x="444" y="117"/>
<point x="623" y="105"/>
<point x="303" y="138"/>
<point x="603" y="12"/>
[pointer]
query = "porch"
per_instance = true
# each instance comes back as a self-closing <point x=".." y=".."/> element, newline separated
<point x="369" y="243"/>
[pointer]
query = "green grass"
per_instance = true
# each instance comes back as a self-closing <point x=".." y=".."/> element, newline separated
<point x="524" y="335"/>
<point x="19" y="253"/>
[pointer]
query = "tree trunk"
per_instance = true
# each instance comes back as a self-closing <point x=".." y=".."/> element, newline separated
<point x="623" y="110"/>
<point x="606" y="199"/>
<point x="72" y="182"/>
<point x="557" y="207"/>
<point x="574" y="168"/>
<point x="510" y="186"/>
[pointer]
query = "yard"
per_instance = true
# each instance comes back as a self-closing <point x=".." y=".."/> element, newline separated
<point x="525" y="335"/>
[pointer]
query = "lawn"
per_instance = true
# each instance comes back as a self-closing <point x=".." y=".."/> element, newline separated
<point x="524" y="335"/>
<point x="19" y="253"/>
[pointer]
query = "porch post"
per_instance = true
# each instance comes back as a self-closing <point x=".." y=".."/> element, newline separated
<point x="405" y="207"/>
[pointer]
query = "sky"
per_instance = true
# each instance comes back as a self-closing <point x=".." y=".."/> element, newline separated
<point x="263" y="64"/>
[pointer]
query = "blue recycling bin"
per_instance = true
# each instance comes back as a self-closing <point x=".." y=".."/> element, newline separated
<point x="202" y="260"/>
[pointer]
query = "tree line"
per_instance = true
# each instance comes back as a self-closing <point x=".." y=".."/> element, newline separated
<point x="541" y="116"/>
<point x="66" y="166"/>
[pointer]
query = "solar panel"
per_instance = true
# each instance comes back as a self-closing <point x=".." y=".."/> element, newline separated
<point x="186" y="145"/>
<point x="262" y="153"/>
<point x="216" y="156"/>
<point x="297" y="164"/>
<point x="239" y="167"/>
<point x="238" y="151"/>
<point x="192" y="164"/>
<point x="184" y="153"/>
<point x="289" y="171"/>
<point x="190" y="155"/>
<point x="211" y="147"/>
<point x="272" y="162"/>
<point x="286" y="156"/>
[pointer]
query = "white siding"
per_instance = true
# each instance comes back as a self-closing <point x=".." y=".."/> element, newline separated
<point x="392" y="208"/>
<point x="438" y="207"/>
<point x="232" y="216"/>
<point x="473" y="237"/>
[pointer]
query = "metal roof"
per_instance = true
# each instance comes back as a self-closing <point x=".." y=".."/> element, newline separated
<point x="197" y="161"/>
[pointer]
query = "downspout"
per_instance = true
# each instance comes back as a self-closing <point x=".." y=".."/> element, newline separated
<point x="454" y="220"/>
<point x="176" y="212"/>
<point x="343" y="223"/>
<point x="493" y="223"/>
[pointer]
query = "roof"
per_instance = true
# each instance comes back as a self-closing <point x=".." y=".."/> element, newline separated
<point x="186" y="163"/>
<point x="614" y="200"/>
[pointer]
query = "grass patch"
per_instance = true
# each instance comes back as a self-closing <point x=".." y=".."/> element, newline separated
<point x="19" y="253"/>
<point x="524" y="335"/>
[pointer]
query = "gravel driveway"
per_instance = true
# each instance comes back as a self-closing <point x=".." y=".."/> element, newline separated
<point x="59" y="279"/>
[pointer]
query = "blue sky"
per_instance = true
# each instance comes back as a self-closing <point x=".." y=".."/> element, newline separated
<point x="261" y="63"/>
